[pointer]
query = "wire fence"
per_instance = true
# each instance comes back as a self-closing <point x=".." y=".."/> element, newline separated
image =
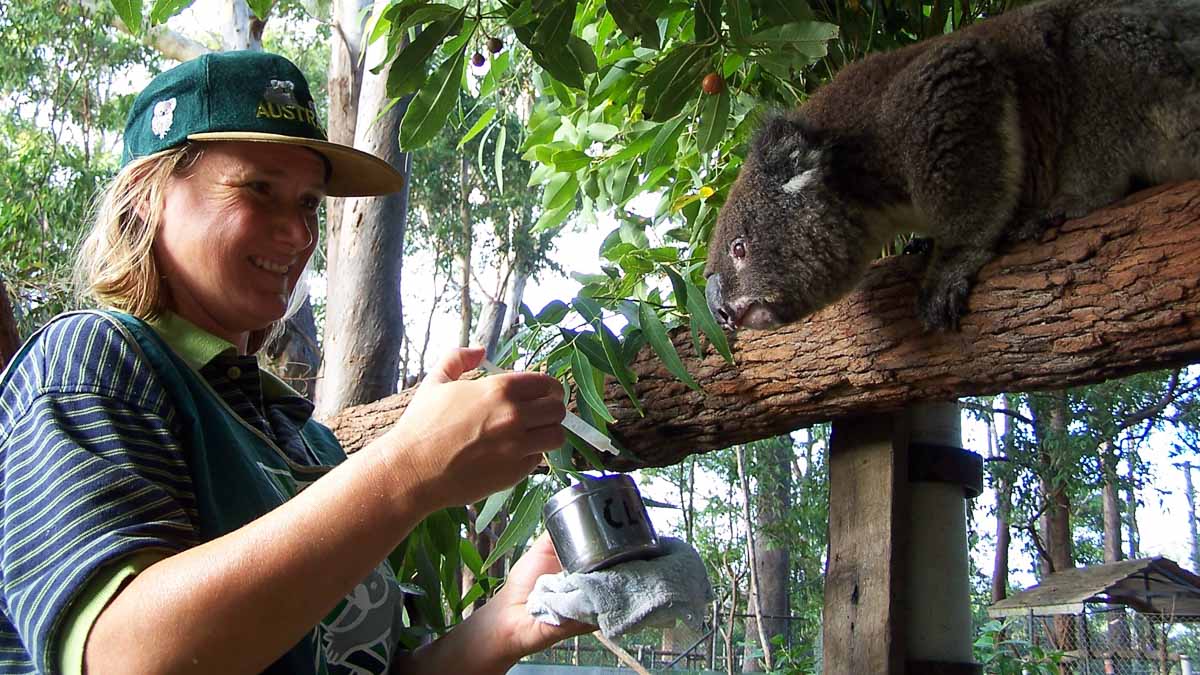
<point x="1107" y="641"/>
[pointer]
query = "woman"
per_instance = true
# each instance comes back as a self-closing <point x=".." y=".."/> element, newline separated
<point x="161" y="506"/>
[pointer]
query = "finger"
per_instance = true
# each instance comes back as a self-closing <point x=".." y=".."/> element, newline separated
<point x="451" y="366"/>
<point x="542" y="439"/>
<point x="542" y="412"/>
<point x="527" y="386"/>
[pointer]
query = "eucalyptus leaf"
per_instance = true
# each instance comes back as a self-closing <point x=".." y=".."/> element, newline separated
<point x="479" y="125"/>
<point x="427" y="112"/>
<point x="674" y="80"/>
<point x="612" y="350"/>
<point x="524" y="521"/>
<point x="407" y="72"/>
<point x="660" y="342"/>
<point x="714" y="119"/>
<point x="501" y="137"/>
<point x="634" y="21"/>
<point x="470" y="556"/>
<point x="585" y="383"/>
<point x="165" y="9"/>
<point x="708" y="19"/>
<point x="491" y="506"/>
<point x="703" y="318"/>
<point x="261" y="8"/>
<point x="552" y="313"/>
<point x="130" y="12"/>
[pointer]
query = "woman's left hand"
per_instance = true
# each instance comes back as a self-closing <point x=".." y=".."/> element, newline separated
<point x="498" y="634"/>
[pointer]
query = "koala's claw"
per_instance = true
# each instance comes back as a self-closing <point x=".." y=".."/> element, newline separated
<point x="918" y="246"/>
<point x="942" y="304"/>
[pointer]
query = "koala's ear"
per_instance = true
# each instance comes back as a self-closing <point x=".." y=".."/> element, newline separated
<point x="787" y="148"/>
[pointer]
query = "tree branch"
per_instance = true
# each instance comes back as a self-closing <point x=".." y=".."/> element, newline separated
<point x="1104" y="296"/>
<point x="173" y="45"/>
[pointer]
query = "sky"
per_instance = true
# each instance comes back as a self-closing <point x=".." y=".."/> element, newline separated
<point x="1162" y="518"/>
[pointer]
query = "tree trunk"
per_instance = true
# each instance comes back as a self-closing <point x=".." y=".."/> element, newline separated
<point x="755" y="626"/>
<point x="1131" y="509"/>
<point x="999" y="445"/>
<point x="10" y="339"/>
<point x="773" y="502"/>
<point x="345" y="85"/>
<point x="364" y="323"/>
<point x="487" y="333"/>
<point x="1111" y="507"/>
<point x="240" y="29"/>
<point x="1104" y="296"/>
<point x="1189" y="491"/>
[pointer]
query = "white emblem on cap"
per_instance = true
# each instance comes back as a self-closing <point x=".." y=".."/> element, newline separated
<point x="164" y="115"/>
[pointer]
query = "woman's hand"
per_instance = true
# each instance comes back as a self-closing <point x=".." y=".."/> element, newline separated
<point x="497" y="635"/>
<point x="460" y="441"/>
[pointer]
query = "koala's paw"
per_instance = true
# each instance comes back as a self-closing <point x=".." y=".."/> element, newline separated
<point x="942" y="303"/>
<point x="918" y="246"/>
<point x="1031" y="224"/>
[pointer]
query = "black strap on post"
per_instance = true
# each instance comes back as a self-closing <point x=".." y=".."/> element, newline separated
<point x="934" y="463"/>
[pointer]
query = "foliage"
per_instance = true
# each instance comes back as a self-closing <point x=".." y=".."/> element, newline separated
<point x="59" y="80"/>
<point x="1002" y="655"/>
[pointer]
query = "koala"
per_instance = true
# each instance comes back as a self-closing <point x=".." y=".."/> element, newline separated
<point x="988" y="134"/>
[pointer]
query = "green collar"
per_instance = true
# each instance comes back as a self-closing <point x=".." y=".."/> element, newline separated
<point x="198" y="347"/>
<point x="194" y="344"/>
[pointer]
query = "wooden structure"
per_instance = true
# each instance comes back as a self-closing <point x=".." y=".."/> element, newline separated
<point x="1104" y="296"/>
<point x="1110" y="618"/>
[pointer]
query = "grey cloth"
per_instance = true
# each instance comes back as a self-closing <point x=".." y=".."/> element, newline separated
<point x="630" y="595"/>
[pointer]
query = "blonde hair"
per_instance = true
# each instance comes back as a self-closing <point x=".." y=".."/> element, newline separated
<point x="115" y="265"/>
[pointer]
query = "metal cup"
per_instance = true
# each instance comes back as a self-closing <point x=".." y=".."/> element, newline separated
<point x="599" y="522"/>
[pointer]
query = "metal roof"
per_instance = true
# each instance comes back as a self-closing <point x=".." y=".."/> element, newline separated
<point x="1154" y="586"/>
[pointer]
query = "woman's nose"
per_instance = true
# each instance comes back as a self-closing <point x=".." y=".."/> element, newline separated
<point x="297" y="228"/>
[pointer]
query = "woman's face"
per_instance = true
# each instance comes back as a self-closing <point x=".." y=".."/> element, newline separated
<point x="237" y="228"/>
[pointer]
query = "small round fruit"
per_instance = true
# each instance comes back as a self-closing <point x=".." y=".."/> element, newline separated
<point x="713" y="84"/>
<point x="477" y="60"/>
<point x="494" y="45"/>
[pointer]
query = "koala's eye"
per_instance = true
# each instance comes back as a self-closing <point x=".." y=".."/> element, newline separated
<point x="737" y="249"/>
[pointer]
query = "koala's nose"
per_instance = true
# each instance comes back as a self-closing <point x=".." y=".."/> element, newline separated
<point x="716" y="301"/>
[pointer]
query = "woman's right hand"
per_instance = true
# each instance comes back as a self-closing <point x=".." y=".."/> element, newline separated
<point x="462" y="440"/>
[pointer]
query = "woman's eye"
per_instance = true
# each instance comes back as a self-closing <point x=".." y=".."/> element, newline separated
<point x="259" y="186"/>
<point x="311" y="204"/>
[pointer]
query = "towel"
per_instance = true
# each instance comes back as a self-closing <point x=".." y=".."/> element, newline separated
<point x="631" y="595"/>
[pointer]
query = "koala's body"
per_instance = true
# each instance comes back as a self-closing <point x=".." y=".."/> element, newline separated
<point x="991" y="132"/>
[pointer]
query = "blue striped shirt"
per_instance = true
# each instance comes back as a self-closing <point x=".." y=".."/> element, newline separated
<point x="92" y="471"/>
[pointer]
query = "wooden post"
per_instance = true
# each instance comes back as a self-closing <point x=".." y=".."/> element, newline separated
<point x="868" y="515"/>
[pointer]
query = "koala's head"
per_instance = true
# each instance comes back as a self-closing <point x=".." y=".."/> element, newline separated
<point x="785" y="244"/>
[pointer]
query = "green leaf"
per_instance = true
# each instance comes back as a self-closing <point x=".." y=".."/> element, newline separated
<point x="664" y="143"/>
<point x="431" y="106"/>
<point x="634" y="21"/>
<point x="589" y="344"/>
<point x="584" y="56"/>
<point x="130" y="12"/>
<point x="586" y="450"/>
<point x="786" y="11"/>
<point x="585" y="382"/>
<point x="261" y="8"/>
<point x="470" y="556"/>
<point x="407" y="72"/>
<point x="490" y="508"/>
<point x="678" y="286"/>
<point x="737" y="15"/>
<point x="549" y="47"/>
<point x="634" y="149"/>
<point x="560" y="192"/>
<point x="522" y="15"/>
<point x="702" y="316"/>
<point x="674" y="81"/>
<point x="443" y="531"/>
<point x="708" y="19"/>
<point x="552" y="313"/>
<point x="497" y="67"/>
<point x="426" y="14"/>
<point x="552" y="218"/>
<point x="589" y="309"/>
<point x="165" y="9"/>
<point x="568" y="161"/>
<point x="499" y="158"/>
<point x="660" y="342"/>
<point x="796" y="35"/>
<point x="477" y="127"/>
<point x="612" y="350"/>
<point x="601" y="132"/>
<point x="714" y="119"/>
<point x="525" y="519"/>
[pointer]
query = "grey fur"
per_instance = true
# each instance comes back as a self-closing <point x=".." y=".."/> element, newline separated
<point x="992" y="132"/>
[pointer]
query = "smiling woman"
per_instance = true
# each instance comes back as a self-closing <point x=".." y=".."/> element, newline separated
<point x="170" y="507"/>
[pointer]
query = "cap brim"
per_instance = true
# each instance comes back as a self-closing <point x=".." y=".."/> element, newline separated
<point x="354" y="173"/>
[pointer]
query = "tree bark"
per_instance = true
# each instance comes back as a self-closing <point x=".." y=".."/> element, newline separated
<point x="999" y="446"/>
<point x="773" y="503"/>
<point x="754" y="625"/>
<point x="10" y="339"/>
<point x="1188" y="490"/>
<point x="463" y="258"/>
<point x="364" y="325"/>
<point x="1100" y="297"/>
<point x="1111" y="507"/>
<point x="240" y="28"/>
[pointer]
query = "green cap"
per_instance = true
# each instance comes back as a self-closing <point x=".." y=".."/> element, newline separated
<point x="247" y="96"/>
